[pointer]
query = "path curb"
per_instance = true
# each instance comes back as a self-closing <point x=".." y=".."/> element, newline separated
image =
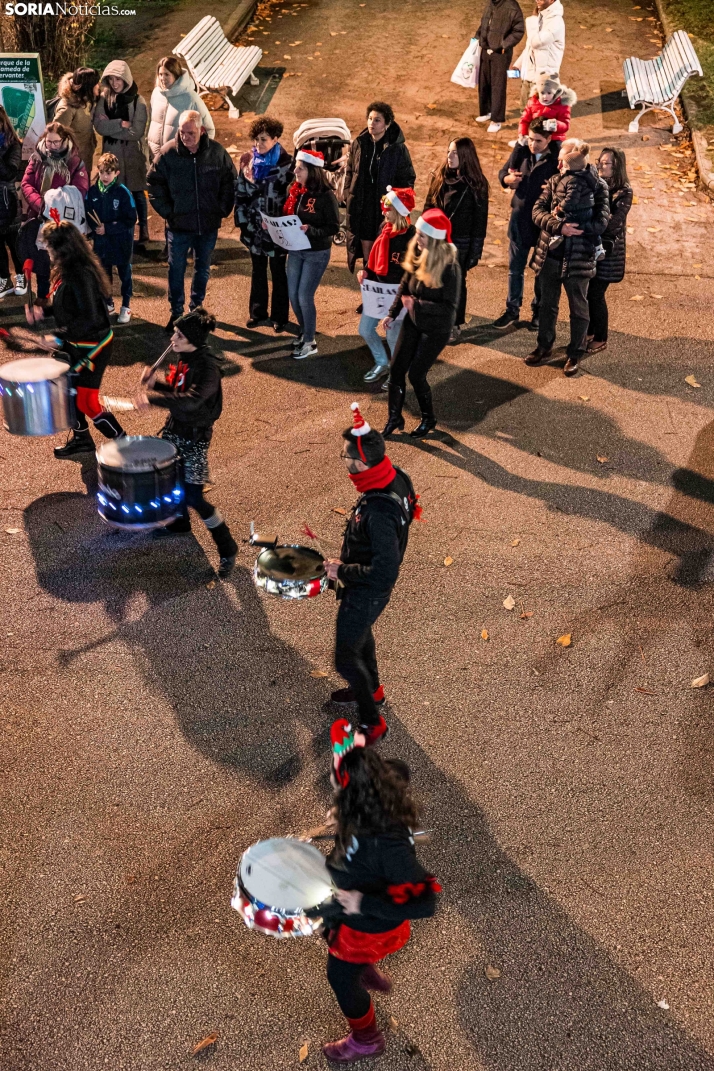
<point x="238" y="18"/>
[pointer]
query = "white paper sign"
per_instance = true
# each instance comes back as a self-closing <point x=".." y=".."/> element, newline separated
<point x="377" y="298"/>
<point x="285" y="232"/>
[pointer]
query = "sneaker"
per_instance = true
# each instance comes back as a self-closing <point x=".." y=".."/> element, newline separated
<point x="493" y="128"/>
<point x="110" y="308"/>
<point x="308" y="349"/>
<point x="297" y="343"/>
<point x="375" y="373"/>
<point x="20" y="285"/>
<point x="345" y="696"/>
<point x="505" y="320"/>
<point x="124" y="315"/>
<point x="7" y="287"/>
<point x="373" y="733"/>
<point x="79" y="442"/>
<point x="226" y="566"/>
<point x="483" y="118"/>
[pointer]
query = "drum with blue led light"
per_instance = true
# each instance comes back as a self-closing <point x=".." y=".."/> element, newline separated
<point x="140" y="484"/>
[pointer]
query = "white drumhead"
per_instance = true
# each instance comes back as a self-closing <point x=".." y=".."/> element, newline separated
<point x="136" y="453"/>
<point x="286" y="874"/>
<point x="33" y="370"/>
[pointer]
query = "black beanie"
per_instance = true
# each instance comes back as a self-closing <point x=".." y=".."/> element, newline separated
<point x="368" y="444"/>
<point x="196" y="326"/>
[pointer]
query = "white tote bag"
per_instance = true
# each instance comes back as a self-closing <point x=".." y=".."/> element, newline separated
<point x="466" y="73"/>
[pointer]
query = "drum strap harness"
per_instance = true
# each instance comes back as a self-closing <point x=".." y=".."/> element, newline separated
<point x="87" y="361"/>
<point x="413" y="512"/>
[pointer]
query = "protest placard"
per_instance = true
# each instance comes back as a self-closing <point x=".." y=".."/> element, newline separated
<point x="286" y="233"/>
<point x="377" y="298"/>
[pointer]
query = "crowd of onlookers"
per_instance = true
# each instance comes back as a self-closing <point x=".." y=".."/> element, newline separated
<point x="568" y="213"/>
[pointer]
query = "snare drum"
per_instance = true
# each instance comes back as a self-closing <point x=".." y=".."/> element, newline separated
<point x="139" y="482"/>
<point x="277" y="881"/>
<point x="290" y="572"/>
<point x="36" y="397"/>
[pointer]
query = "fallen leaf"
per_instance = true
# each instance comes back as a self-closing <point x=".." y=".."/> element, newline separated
<point x="645" y="691"/>
<point x="653" y="230"/>
<point x="211" y="584"/>
<point x="432" y="106"/>
<point x="339" y="509"/>
<point x="484" y="634"/>
<point x="492" y="973"/>
<point x="701" y="682"/>
<point x="448" y="561"/>
<point x="658" y="297"/>
<point x="635" y="200"/>
<point x="646" y="137"/>
<point x="630" y="230"/>
<point x="287" y="57"/>
<point x="687" y="379"/>
<point x="333" y="33"/>
<point x="502" y="435"/>
<point x="204" y="1043"/>
<point x="637" y="297"/>
<point x="602" y="459"/>
<point x="303" y="1053"/>
<point x="80" y="898"/>
<point x="526" y="614"/>
<point x="318" y="673"/>
<point x="509" y="603"/>
<point x="393" y="1023"/>
<point x="584" y="397"/>
<point x="515" y="542"/>
<point x="565" y="640"/>
<point x="608" y="29"/>
<point x="663" y="1004"/>
<point x="12" y="531"/>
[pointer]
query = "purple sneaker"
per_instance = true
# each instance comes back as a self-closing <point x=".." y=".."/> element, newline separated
<point x="348" y="1049"/>
<point x="373" y="978"/>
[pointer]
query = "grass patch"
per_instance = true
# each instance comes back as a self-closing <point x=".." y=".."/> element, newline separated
<point x="697" y="18"/>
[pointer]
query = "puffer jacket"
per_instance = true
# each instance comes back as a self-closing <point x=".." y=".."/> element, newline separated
<point x="545" y="43"/>
<point x="34" y="174"/>
<point x="127" y="143"/>
<point x="502" y="25"/>
<point x="559" y="109"/>
<point x="193" y="192"/>
<point x="578" y="250"/>
<point x="611" y="269"/>
<point x="166" y="107"/>
<point x="78" y="117"/>
<point x="267" y="196"/>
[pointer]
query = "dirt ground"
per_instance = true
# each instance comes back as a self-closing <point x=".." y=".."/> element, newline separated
<point x="157" y="723"/>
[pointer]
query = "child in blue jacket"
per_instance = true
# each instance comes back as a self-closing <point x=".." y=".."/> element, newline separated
<point x="111" y="215"/>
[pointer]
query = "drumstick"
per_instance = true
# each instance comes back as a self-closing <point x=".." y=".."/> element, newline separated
<point x="116" y="405"/>
<point x="146" y="375"/>
<point x="27" y="272"/>
<point x="306" y="530"/>
<point x="95" y="217"/>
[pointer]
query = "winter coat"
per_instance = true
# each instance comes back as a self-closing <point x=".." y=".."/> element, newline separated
<point x="397" y="250"/>
<point x="545" y="43"/>
<point x="502" y="25"/>
<point x="267" y="196"/>
<point x="611" y="268"/>
<point x="196" y="405"/>
<point x="117" y="211"/>
<point x="468" y="214"/>
<point x="578" y="250"/>
<point x="559" y="110"/>
<point x="376" y="537"/>
<point x="34" y="173"/>
<point x="193" y="192"/>
<point x="395" y="169"/>
<point x="10" y="162"/>
<point x="127" y="143"/>
<point x="536" y="173"/>
<point x="166" y="107"/>
<point x="435" y="307"/>
<point x="80" y="309"/>
<point x="321" y="212"/>
<point x="78" y="117"/>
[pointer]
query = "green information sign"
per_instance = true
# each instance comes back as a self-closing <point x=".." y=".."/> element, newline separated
<point x="22" y="96"/>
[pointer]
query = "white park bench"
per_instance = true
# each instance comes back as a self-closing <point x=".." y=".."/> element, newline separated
<point x="216" y="64"/>
<point x="657" y="83"/>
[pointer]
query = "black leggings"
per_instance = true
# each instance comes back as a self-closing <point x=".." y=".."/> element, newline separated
<point x="8" y="240"/>
<point x="598" y="309"/>
<point x="346" y="981"/>
<point x="415" y="353"/>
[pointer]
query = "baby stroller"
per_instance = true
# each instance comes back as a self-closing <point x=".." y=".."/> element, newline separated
<point x="328" y="136"/>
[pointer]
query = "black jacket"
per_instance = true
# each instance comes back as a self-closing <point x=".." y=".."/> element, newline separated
<point x="117" y="211"/>
<point x="468" y="214"/>
<point x="321" y="212"/>
<point x="397" y="248"/>
<point x="435" y="307"/>
<point x="502" y="25"/>
<point x="376" y="537"/>
<point x="535" y="174"/>
<point x="193" y="192"/>
<point x="385" y="869"/>
<point x="395" y="169"/>
<point x="10" y="162"/>
<point x="611" y="269"/>
<point x="195" y="403"/>
<point x="80" y="309"/>
<point x="578" y="250"/>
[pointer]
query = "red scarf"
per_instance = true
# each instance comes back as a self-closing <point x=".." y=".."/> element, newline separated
<point x="294" y="194"/>
<point x="379" y="254"/>
<point x="375" y="477"/>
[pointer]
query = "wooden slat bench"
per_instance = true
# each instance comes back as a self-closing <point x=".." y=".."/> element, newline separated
<point x="657" y="83"/>
<point x="215" y="63"/>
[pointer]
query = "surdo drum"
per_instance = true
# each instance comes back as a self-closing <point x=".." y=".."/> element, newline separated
<point x="139" y="482"/>
<point x="277" y="881"/>
<point x="36" y="397"/>
<point x="290" y="572"/>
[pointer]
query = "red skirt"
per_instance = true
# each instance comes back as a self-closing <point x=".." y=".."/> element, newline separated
<point x="354" y="946"/>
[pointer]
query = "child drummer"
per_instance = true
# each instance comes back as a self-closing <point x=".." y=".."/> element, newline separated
<point x="192" y="393"/>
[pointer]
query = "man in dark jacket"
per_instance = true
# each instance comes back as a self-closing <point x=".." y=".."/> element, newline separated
<point x="502" y="27"/>
<point x="378" y="158"/>
<point x="570" y="264"/>
<point x="373" y="547"/>
<point x="191" y="185"/>
<point x="525" y="172"/>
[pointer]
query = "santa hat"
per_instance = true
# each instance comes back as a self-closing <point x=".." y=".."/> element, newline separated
<point x="435" y="224"/>
<point x="309" y="156"/>
<point x="369" y="443"/>
<point x="402" y="200"/>
<point x="343" y="739"/>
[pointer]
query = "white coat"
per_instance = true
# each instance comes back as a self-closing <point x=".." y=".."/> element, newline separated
<point x="166" y="107"/>
<point x="545" y="44"/>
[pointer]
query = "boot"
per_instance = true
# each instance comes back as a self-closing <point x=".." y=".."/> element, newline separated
<point x="396" y="401"/>
<point x="108" y="424"/>
<point x="226" y="544"/>
<point x="144" y="235"/>
<point x="79" y="442"/>
<point x="428" y="420"/>
<point x="373" y="978"/>
<point x="350" y="1049"/>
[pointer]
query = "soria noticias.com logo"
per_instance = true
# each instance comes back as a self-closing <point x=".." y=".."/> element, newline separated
<point x="65" y="9"/>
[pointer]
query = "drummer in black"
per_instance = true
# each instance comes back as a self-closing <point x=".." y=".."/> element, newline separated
<point x="192" y="393"/>
<point x="373" y="547"/>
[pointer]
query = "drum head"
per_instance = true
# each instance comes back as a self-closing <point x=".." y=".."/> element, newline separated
<point x="291" y="563"/>
<point x="286" y="874"/>
<point x="136" y="453"/>
<point x="33" y="370"/>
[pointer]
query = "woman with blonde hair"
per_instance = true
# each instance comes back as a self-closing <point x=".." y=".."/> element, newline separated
<point x="429" y="291"/>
